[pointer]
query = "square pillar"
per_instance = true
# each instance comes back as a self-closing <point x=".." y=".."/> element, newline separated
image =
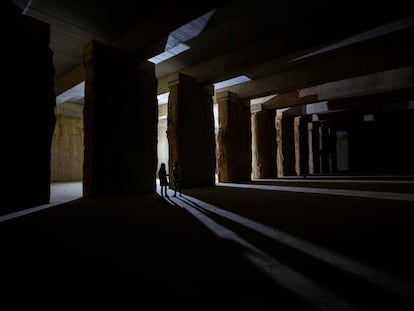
<point x="310" y="148"/>
<point x="120" y="122"/>
<point x="190" y="131"/>
<point x="325" y="148"/>
<point x="315" y="143"/>
<point x="234" y="138"/>
<point x="301" y="145"/>
<point x="28" y="104"/>
<point x="285" y="136"/>
<point x="264" y="144"/>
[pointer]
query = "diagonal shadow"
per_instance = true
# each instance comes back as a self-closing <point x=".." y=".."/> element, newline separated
<point x="297" y="283"/>
<point x="336" y="272"/>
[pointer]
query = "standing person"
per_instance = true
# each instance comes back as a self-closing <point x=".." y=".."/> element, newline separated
<point x="177" y="178"/>
<point x="162" y="175"/>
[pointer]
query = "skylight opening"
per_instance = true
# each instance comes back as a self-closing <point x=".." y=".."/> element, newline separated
<point x="175" y="45"/>
<point x="230" y="82"/>
<point x="163" y="98"/>
<point x="169" y="54"/>
<point x="75" y="94"/>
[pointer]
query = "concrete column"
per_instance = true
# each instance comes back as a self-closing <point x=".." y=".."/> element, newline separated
<point x="301" y="145"/>
<point x="332" y="149"/>
<point x="325" y="148"/>
<point x="285" y="145"/>
<point x="120" y="121"/>
<point x="234" y="138"/>
<point x="310" y="148"/>
<point x="28" y="118"/>
<point x="316" y="143"/>
<point x="342" y="154"/>
<point x="264" y="144"/>
<point x="279" y="152"/>
<point x="191" y="131"/>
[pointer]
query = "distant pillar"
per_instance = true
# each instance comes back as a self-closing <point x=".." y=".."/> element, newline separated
<point x="234" y="138"/>
<point x="190" y="131"/>
<point x="332" y="148"/>
<point x="310" y="148"/>
<point x="314" y="145"/>
<point x="285" y="145"/>
<point x="301" y="145"/>
<point x="264" y="144"/>
<point x="325" y="148"/>
<point x="120" y="121"/>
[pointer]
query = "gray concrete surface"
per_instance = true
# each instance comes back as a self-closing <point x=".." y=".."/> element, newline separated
<point x="227" y="246"/>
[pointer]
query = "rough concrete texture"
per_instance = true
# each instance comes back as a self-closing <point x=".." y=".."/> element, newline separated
<point x="191" y="131"/>
<point x="67" y="149"/>
<point x="121" y="116"/>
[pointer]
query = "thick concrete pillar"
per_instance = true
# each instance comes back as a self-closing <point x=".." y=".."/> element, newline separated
<point x="120" y="120"/>
<point x="325" y="148"/>
<point x="234" y="138"/>
<point x="296" y="122"/>
<point x="314" y="147"/>
<point x="28" y="103"/>
<point x="279" y="152"/>
<point x="310" y="148"/>
<point x="285" y="145"/>
<point x="301" y="145"/>
<point x="264" y="144"/>
<point x="342" y="151"/>
<point x="191" y="131"/>
<point x="332" y="148"/>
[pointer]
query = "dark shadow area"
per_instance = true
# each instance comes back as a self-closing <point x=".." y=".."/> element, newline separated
<point x="353" y="288"/>
<point x="371" y="230"/>
<point x="127" y="252"/>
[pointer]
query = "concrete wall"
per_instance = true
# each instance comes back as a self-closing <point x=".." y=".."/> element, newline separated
<point x="162" y="146"/>
<point x="67" y="147"/>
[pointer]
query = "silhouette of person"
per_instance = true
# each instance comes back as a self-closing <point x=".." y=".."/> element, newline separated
<point x="162" y="175"/>
<point x="177" y="178"/>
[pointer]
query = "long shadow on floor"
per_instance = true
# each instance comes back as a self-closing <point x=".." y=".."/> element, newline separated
<point x="126" y="253"/>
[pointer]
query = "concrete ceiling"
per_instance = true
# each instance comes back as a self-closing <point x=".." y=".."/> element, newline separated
<point x="259" y="39"/>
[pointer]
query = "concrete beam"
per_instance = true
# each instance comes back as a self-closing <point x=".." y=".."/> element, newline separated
<point x="142" y="36"/>
<point x="70" y="80"/>
<point x="400" y="78"/>
<point x="379" y="49"/>
<point x="315" y="73"/>
<point x="395" y="100"/>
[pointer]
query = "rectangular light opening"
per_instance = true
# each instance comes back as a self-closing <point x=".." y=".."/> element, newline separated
<point x="178" y="49"/>
<point x="230" y="82"/>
